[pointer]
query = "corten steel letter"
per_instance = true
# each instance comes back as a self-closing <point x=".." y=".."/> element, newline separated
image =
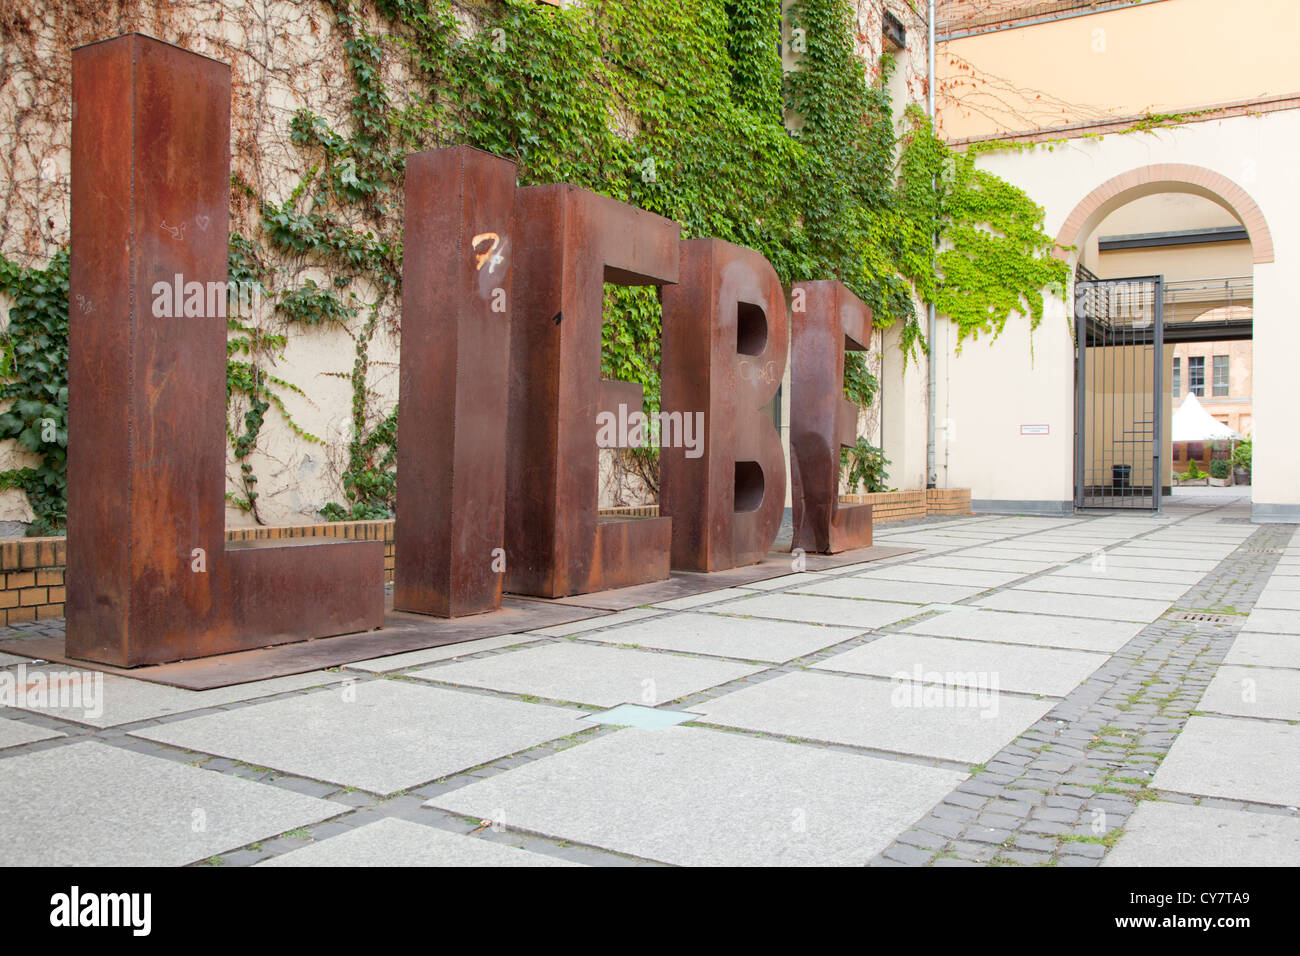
<point x="150" y="576"/>
<point x="570" y="243"/>
<point x="456" y="265"/>
<point x="725" y="337"/>
<point x="822" y="420"/>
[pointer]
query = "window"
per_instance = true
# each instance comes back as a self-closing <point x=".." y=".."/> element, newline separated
<point x="1196" y="375"/>
<point x="1220" y="376"/>
<point x="1178" y="377"/>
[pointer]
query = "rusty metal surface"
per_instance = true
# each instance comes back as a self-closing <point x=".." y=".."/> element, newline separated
<point x="822" y="420"/>
<point x="147" y="394"/>
<point x="412" y="632"/>
<point x="569" y="243"/>
<point x="401" y="633"/>
<point x="455" y="356"/>
<point x="724" y="348"/>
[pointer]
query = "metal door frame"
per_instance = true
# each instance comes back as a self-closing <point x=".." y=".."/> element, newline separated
<point x="1081" y="318"/>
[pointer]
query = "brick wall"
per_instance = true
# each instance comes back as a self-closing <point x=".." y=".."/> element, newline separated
<point x="889" y="506"/>
<point x="947" y="501"/>
<point x="32" y="568"/>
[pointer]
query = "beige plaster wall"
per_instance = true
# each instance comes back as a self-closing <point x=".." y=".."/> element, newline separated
<point x="1145" y="59"/>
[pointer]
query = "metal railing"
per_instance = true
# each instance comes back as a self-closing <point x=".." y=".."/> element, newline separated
<point x="1186" y="300"/>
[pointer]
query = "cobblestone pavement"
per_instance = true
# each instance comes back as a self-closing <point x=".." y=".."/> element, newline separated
<point x="1118" y="689"/>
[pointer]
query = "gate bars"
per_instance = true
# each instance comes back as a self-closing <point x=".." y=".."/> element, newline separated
<point x="1119" y="400"/>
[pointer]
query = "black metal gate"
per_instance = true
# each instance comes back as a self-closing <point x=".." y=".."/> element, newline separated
<point x="1119" y="391"/>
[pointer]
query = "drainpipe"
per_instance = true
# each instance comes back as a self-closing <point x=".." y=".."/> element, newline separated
<point x="930" y="470"/>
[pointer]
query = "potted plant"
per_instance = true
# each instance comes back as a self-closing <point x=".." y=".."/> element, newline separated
<point x="1220" y="473"/>
<point x="1241" y="462"/>
<point x="1193" y="475"/>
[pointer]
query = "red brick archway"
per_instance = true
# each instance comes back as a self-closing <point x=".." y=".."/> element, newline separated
<point x="1166" y="178"/>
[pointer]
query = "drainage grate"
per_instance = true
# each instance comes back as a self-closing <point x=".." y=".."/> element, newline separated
<point x="1202" y="617"/>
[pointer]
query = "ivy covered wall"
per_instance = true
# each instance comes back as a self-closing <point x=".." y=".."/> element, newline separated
<point x="681" y="107"/>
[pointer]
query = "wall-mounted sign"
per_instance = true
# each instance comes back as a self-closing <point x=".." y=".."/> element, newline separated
<point x="1035" y="429"/>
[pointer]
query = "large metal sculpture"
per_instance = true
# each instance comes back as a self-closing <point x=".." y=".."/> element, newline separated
<point x="724" y="348"/>
<point x="150" y="577"/>
<point x="827" y="319"/>
<point x="501" y="392"/>
<point x="451" y="461"/>
<point x="570" y="243"/>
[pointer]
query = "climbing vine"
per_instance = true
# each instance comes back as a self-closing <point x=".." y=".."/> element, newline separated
<point x="680" y="107"/>
<point x="35" y="373"/>
<point x="993" y="257"/>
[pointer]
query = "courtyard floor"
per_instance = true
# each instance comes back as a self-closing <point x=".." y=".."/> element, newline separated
<point x="1113" y="690"/>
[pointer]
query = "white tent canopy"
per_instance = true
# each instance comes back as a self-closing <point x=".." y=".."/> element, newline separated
<point x="1193" y="423"/>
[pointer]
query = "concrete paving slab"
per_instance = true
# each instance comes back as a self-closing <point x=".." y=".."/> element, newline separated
<point x="384" y="665"/>
<point x="1037" y="543"/>
<point x="985" y="564"/>
<point x="381" y="736"/>
<point x="1234" y="757"/>
<point x="1197" y="553"/>
<point x="107" y="700"/>
<point x="931" y="575"/>
<point x="1273" y="621"/>
<point x="1278" y="600"/>
<point x="394" y="842"/>
<point x="1104" y="585"/>
<point x="860" y="567"/>
<point x="1020" y="553"/>
<point x="13" y="733"/>
<point x="864" y="615"/>
<point x="1254" y="692"/>
<point x="1264" y="650"/>
<point x="929" y="542"/>
<point x="592" y="623"/>
<point x="708" y="597"/>
<point x="89" y="804"/>
<point x="785" y="580"/>
<point x="879" y="715"/>
<point x="1283" y="582"/>
<point x="1032" y="629"/>
<point x="877" y="589"/>
<point x="743" y="638"/>
<point x="1030" y="670"/>
<point x="1120" y="573"/>
<point x="1119" y="560"/>
<point x="1177" y="834"/>
<point x="1068" y="541"/>
<point x="1075" y="605"/>
<point x="8" y="659"/>
<point x="692" y="796"/>
<point x="1194" y="540"/>
<point x="590" y="674"/>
